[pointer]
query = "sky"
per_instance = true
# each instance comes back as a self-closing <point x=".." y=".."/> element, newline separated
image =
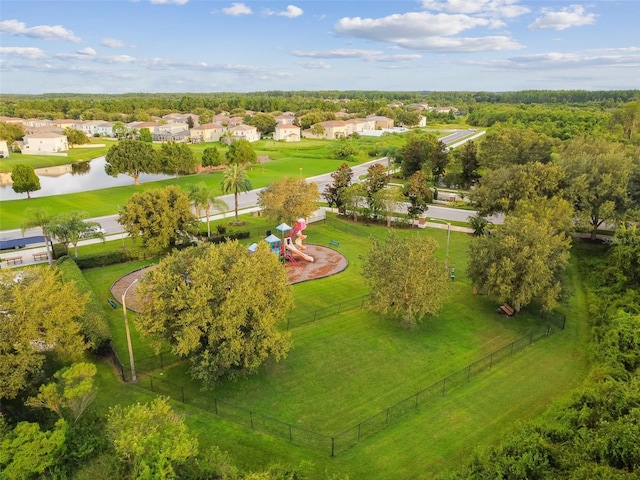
<point x="200" y="46"/>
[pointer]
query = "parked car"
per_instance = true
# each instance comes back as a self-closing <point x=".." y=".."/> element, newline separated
<point x="92" y="232"/>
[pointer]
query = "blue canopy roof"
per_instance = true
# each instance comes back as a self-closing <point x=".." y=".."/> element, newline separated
<point x="272" y="239"/>
<point x="283" y="227"/>
<point x="20" y="242"/>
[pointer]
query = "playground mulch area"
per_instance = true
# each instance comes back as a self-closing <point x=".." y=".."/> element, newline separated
<point x="327" y="261"/>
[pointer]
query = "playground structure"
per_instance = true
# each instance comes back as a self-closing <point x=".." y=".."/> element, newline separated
<point x="285" y="247"/>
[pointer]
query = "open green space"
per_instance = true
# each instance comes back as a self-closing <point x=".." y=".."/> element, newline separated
<point x="345" y="368"/>
<point x="307" y="159"/>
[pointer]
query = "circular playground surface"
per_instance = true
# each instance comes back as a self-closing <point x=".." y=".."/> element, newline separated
<point x="327" y="262"/>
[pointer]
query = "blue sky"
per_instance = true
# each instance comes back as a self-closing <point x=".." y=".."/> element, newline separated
<point x="150" y="46"/>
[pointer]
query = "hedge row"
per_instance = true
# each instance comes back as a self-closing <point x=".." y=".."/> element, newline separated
<point x="95" y="326"/>
<point x="229" y="236"/>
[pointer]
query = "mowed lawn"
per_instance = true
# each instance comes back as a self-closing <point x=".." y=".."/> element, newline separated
<point x="348" y="367"/>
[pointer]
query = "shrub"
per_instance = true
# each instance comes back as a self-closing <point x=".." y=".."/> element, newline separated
<point x="102" y="259"/>
<point x="229" y="236"/>
<point x="95" y="327"/>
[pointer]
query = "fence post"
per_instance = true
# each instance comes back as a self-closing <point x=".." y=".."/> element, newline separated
<point x="182" y="388"/>
<point x="333" y="446"/>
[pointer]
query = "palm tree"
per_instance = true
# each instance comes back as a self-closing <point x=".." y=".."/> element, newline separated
<point x="70" y="228"/>
<point x="235" y="179"/>
<point x="203" y="197"/>
<point x="39" y="217"/>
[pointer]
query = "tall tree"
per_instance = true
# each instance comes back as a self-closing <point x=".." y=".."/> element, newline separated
<point x="70" y="394"/>
<point x="628" y="117"/>
<point x="264" y="122"/>
<point x="145" y="135"/>
<point x="24" y="179"/>
<point x="131" y="157"/>
<point x="353" y="198"/>
<point x="202" y="197"/>
<point x="39" y="313"/>
<point x="418" y="193"/>
<point x="501" y="189"/>
<point x="522" y="262"/>
<point x="75" y="137"/>
<point x="10" y="132"/>
<point x="288" y="199"/>
<point x="375" y="181"/>
<point x="468" y="156"/>
<point x="69" y="228"/>
<point x="211" y="157"/>
<point x="388" y="202"/>
<point x="219" y="306"/>
<point x="341" y="180"/>
<point x="597" y="175"/>
<point x="176" y="158"/>
<point x="506" y="146"/>
<point x="40" y="218"/>
<point x="151" y="439"/>
<point x="159" y="217"/>
<point x="235" y="180"/>
<point x="241" y="152"/>
<point x="406" y="280"/>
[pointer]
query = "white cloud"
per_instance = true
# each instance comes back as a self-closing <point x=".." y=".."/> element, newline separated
<point x="112" y="43"/>
<point x="24" y="52"/>
<point x="426" y="31"/>
<point x="368" y="55"/>
<point x="319" y="65"/>
<point x="87" y="51"/>
<point x="292" y="12"/>
<point x="45" y="32"/>
<point x="572" y="16"/>
<point x="493" y="8"/>
<point x="236" y="9"/>
<point x="558" y="60"/>
<point x="168" y="2"/>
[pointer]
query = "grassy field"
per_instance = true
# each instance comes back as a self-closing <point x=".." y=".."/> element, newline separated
<point x="347" y="367"/>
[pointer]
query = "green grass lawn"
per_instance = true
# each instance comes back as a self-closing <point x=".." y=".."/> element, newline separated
<point x="345" y="368"/>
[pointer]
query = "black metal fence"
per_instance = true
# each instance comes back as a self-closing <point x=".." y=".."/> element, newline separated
<point x="303" y="318"/>
<point x="331" y="444"/>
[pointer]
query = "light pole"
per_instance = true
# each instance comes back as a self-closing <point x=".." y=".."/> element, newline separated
<point x="448" y="237"/>
<point x="134" y="378"/>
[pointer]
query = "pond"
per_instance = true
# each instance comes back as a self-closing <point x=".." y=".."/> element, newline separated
<point x="77" y="177"/>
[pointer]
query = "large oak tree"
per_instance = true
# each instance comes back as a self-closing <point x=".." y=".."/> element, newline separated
<point x="131" y="157"/>
<point x="24" y="179"/>
<point x="159" y="217"/>
<point x="219" y="306"/>
<point x="406" y="280"/>
<point x="39" y="313"/>
<point x="289" y="199"/>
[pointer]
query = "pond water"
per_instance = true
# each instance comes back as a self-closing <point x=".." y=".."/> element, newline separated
<point x="79" y="177"/>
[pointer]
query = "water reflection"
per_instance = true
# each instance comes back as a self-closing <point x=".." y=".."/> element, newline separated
<point x="80" y="168"/>
<point x="76" y="178"/>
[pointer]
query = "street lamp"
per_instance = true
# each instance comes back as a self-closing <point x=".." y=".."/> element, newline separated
<point x="134" y="378"/>
<point x="448" y="237"/>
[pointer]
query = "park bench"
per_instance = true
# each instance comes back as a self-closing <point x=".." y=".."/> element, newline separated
<point x="334" y="243"/>
<point x="13" y="260"/>
<point x="507" y="310"/>
<point x="112" y="303"/>
<point x="39" y="256"/>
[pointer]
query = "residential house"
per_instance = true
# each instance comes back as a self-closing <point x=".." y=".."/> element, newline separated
<point x="287" y="132"/>
<point x="182" y="118"/>
<point x="43" y="129"/>
<point x="4" y="149"/>
<point x="335" y="129"/>
<point x="170" y="131"/>
<point x="209" y="132"/>
<point x="221" y="119"/>
<point x="381" y="122"/>
<point x="285" y="119"/>
<point x="44" y="143"/>
<point x="359" y="125"/>
<point x="16" y="120"/>
<point x="68" y="123"/>
<point x="245" y="132"/>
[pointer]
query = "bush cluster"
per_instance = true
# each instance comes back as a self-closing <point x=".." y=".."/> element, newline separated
<point x="95" y="327"/>
<point x="229" y="236"/>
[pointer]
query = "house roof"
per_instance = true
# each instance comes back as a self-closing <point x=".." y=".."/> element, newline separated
<point x="287" y="127"/>
<point x="334" y="123"/>
<point x="45" y="135"/>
